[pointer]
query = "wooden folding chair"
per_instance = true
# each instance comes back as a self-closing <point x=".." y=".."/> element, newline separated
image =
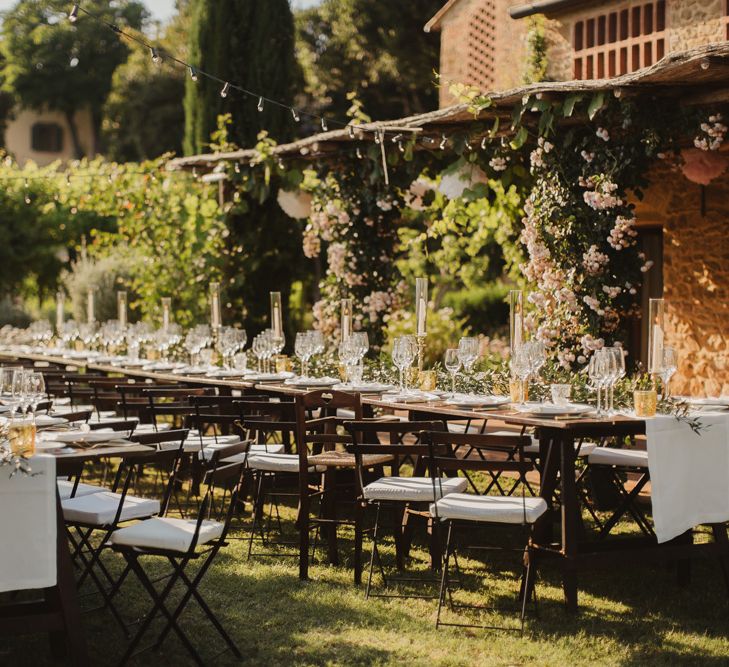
<point x="182" y="542"/>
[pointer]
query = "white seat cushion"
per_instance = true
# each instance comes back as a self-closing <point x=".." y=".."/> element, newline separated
<point x="99" y="509"/>
<point x="413" y="489"/>
<point x="584" y="450"/>
<point x="166" y="533"/>
<point x="270" y="448"/>
<point x="65" y="487"/>
<point x="496" y="509"/>
<point x="278" y="463"/>
<point x="609" y="456"/>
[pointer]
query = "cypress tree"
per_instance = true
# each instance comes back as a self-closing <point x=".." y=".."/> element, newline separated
<point x="250" y="43"/>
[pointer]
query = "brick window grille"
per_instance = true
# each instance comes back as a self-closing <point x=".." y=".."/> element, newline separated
<point x="481" y="36"/>
<point x="620" y="41"/>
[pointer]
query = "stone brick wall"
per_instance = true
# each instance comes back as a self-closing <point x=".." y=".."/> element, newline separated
<point x="695" y="276"/>
<point x="689" y="23"/>
<point x="481" y="45"/>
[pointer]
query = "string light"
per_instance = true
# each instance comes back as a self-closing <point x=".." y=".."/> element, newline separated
<point x="193" y="73"/>
<point x="359" y="153"/>
<point x="350" y="131"/>
<point x="295" y="114"/>
<point x="155" y="55"/>
<point x="483" y="144"/>
<point x="400" y="147"/>
<point x="396" y="138"/>
<point x="443" y="143"/>
<point x="225" y="90"/>
<point x="324" y="126"/>
<point x="468" y="146"/>
<point x="236" y="168"/>
<point x="377" y="138"/>
<point x="73" y="15"/>
<point x="260" y="104"/>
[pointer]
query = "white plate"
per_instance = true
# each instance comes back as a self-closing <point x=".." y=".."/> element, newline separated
<point x="48" y="420"/>
<point x="134" y="363"/>
<point x="551" y="410"/>
<point x="365" y="387"/>
<point x="268" y="377"/>
<point x="474" y="401"/>
<point x="102" y="435"/>
<point x="411" y="397"/>
<point x="711" y="401"/>
<point x="312" y="382"/>
<point x="162" y="366"/>
<point x="222" y="373"/>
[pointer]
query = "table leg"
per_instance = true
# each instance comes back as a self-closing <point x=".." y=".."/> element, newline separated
<point x="721" y="539"/>
<point x="570" y="520"/>
<point x="66" y="600"/>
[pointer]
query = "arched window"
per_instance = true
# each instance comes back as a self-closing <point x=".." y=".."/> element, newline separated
<point x="47" y="137"/>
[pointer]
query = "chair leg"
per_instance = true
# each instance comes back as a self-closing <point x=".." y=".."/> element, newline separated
<point x="444" y="574"/>
<point x="359" y="511"/>
<point x="304" y="532"/>
<point x="374" y="553"/>
<point x="192" y="591"/>
<point x="157" y="607"/>
<point x="721" y="539"/>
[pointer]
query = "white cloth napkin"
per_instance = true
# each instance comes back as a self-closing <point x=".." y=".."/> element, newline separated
<point x="28" y="526"/>
<point x="689" y="473"/>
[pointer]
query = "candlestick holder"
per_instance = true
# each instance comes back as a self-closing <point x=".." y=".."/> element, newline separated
<point x="421" y="352"/>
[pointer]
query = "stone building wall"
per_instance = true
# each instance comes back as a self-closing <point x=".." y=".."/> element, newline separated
<point x="689" y="23"/>
<point x="695" y="276"/>
<point x="482" y="46"/>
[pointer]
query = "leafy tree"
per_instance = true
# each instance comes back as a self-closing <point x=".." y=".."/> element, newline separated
<point x="143" y="115"/>
<point x="375" y="48"/>
<point x="250" y="43"/>
<point x="49" y="62"/>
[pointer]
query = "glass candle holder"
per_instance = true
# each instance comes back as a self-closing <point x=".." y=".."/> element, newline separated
<point x="645" y="402"/>
<point x="560" y="393"/>
<point x="346" y="323"/>
<point x="22" y="437"/>
<point x="427" y="380"/>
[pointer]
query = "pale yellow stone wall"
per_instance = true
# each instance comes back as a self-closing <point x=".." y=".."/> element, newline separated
<point x="18" y="136"/>
<point x="695" y="276"/>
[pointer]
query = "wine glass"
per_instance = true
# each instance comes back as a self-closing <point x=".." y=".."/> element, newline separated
<point x="404" y="351"/>
<point x="599" y="373"/>
<point x="35" y="390"/>
<point x="452" y="363"/>
<point x="19" y="395"/>
<point x="302" y="347"/>
<point x="669" y="365"/>
<point x="618" y="372"/>
<point x="468" y="352"/>
<point x="521" y="367"/>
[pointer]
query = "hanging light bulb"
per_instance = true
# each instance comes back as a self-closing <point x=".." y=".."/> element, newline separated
<point x="27" y="199"/>
<point x="483" y="143"/>
<point x="468" y="146"/>
<point x="359" y="153"/>
<point x="73" y="15"/>
<point x="155" y="55"/>
<point x="260" y="104"/>
<point x="396" y="138"/>
<point x="25" y="183"/>
<point x="400" y="147"/>
<point x="68" y="180"/>
<point x="377" y="138"/>
<point x="281" y="164"/>
<point x="236" y="168"/>
<point x="295" y="114"/>
<point x="225" y="90"/>
<point x="350" y="130"/>
<point x="193" y="73"/>
<point x="442" y="143"/>
<point x="324" y="126"/>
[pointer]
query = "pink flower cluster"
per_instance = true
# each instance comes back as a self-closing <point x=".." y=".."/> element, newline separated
<point x="337" y="258"/>
<point x="594" y="261"/>
<point x="311" y="243"/>
<point x="714" y="132"/>
<point x="623" y="234"/>
<point x="377" y="302"/>
<point x="600" y="193"/>
<point x="536" y="157"/>
<point x="498" y="163"/>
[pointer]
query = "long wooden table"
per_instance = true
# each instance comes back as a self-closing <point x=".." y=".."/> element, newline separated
<point x="568" y="546"/>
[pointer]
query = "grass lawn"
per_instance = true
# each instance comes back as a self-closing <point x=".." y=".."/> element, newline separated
<point x="628" y="616"/>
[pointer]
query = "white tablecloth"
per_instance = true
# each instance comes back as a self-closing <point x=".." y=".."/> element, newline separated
<point x="689" y="473"/>
<point x="28" y="527"/>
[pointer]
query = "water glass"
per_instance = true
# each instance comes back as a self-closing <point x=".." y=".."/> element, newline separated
<point x="560" y="393"/>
